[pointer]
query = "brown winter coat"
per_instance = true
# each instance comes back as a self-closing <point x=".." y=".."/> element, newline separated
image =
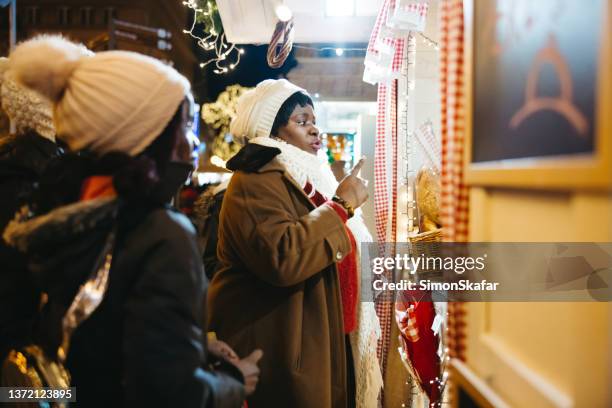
<point x="277" y="288"/>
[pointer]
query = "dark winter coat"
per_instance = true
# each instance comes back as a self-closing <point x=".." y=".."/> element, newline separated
<point x="23" y="160"/>
<point x="208" y="210"/>
<point x="144" y="345"/>
<point x="277" y="288"/>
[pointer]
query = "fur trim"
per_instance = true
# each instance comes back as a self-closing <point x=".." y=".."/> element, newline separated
<point x="62" y="222"/>
<point x="45" y="63"/>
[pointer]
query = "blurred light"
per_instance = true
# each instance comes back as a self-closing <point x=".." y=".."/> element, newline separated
<point x="217" y="161"/>
<point x="339" y="52"/>
<point x="316" y="95"/>
<point x="210" y="178"/>
<point x="283" y="13"/>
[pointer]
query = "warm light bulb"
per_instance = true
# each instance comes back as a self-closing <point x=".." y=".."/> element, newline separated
<point x="283" y="13"/>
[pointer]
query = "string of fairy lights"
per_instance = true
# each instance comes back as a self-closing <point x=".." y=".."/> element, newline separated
<point x="226" y="55"/>
<point x="215" y="40"/>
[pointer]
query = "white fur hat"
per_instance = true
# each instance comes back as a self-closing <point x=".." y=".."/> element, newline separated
<point x="23" y="107"/>
<point x="257" y="108"/>
<point x="111" y="101"/>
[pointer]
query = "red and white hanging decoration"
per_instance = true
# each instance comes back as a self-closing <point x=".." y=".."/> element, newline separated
<point x="383" y="63"/>
<point x="407" y="16"/>
<point x="454" y="197"/>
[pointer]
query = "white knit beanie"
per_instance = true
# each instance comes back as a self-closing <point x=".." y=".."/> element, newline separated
<point x="111" y="101"/>
<point x="257" y="108"/>
<point x="26" y="109"/>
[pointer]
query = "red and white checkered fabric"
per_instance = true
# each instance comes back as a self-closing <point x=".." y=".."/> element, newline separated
<point x="406" y="320"/>
<point x="428" y="145"/>
<point x="378" y="25"/>
<point x="454" y="197"/>
<point x="418" y="10"/>
<point x="386" y="134"/>
<point x="385" y="175"/>
<point x="385" y="164"/>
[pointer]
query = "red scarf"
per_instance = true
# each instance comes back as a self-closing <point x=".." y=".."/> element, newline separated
<point x="347" y="268"/>
<point x="97" y="187"/>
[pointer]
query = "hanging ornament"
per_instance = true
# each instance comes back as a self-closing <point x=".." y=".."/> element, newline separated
<point x="280" y="44"/>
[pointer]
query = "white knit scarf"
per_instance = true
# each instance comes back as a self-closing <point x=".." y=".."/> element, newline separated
<point x="304" y="167"/>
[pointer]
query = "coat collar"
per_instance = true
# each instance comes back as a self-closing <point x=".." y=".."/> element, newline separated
<point x="60" y="227"/>
<point x="254" y="158"/>
<point x="257" y="158"/>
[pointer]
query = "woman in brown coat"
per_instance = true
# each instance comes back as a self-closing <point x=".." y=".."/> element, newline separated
<point x="278" y="287"/>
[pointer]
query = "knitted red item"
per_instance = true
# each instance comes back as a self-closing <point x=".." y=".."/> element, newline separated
<point x="347" y="268"/>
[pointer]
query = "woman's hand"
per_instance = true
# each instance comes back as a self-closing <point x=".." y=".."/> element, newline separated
<point x="250" y="371"/>
<point x="247" y="366"/>
<point x="221" y="350"/>
<point x="352" y="188"/>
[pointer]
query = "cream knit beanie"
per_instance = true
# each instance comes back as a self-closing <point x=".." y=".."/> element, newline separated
<point x="257" y="108"/>
<point x="111" y="101"/>
<point x="25" y="108"/>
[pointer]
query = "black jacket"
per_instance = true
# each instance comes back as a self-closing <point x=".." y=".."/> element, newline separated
<point x="144" y="345"/>
<point x="23" y="160"/>
<point x="207" y="209"/>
